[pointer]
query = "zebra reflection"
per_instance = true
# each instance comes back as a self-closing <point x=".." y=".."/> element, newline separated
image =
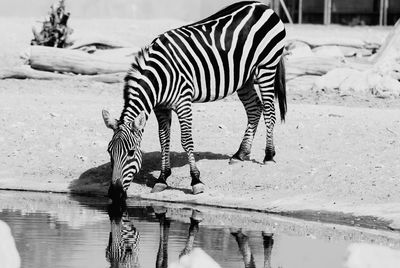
<point x="123" y="243"/>
<point x="245" y="250"/>
<point x="162" y="255"/>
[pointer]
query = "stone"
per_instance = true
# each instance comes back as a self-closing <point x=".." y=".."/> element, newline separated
<point x="355" y="82"/>
<point x="8" y="251"/>
<point x="198" y="258"/>
<point x="373" y="256"/>
<point x="299" y="49"/>
<point x="333" y="79"/>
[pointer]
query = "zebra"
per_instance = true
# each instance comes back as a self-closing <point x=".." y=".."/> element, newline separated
<point x="234" y="50"/>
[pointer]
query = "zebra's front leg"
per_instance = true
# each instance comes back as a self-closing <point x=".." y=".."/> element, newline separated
<point x="164" y="130"/>
<point x="162" y="253"/>
<point x="252" y="104"/>
<point x="184" y="112"/>
<point x="266" y="79"/>
<point x="195" y="219"/>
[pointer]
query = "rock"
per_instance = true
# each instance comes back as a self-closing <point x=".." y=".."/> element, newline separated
<point x="372" y="256"/>
<point x="386" y="86"/>
<point x="298" y="49"/>
<point x="328" y="52"/>
<point x="201" y="109"/>
<point x="8" y="251"/>
<point x="355" y="82"/>
<point x="54" y="114"/>
<point x="82" y="157"/>
<point x="198" y="258"/>
<point x="300" y="52"/>
<point x="333" y="79"/>
<point x="349" y="81"/>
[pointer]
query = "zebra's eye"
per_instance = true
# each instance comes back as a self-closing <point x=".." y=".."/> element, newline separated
<point x="131" y="152"/>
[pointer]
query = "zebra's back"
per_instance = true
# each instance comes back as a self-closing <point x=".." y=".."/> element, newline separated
<point x="217" y="55"/>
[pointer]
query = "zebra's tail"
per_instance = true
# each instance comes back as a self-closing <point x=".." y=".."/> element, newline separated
<point x="280" y="88"/>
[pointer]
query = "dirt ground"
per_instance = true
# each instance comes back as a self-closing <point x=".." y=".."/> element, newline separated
<point x="334" y="153"/>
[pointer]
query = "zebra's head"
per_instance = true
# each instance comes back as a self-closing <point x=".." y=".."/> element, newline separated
<point x="125" y="153"/>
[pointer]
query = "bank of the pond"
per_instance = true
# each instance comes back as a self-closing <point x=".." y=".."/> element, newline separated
<point x="329" y="158"/>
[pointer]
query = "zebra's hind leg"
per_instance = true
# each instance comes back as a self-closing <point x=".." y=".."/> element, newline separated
<point x="195" y="219"/>
<point x="265" y="79"/>
<point x="184" y="112"/>
<point x="244" y="248"/>
<point x="252" y="104"/>
<point x="268" y="242"/>
<point x="164" y="130"/>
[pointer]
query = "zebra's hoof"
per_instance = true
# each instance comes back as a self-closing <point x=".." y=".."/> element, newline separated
<point x="239" y="157"/>
<point x="269" y="157"/>
<point x="159" y="187"/>
<point x="198" y="188"/>
<point x="266" y="161"/>
<point x="197" y="216"/>
<point x="233" y="161"/>
<point x="158" y="210"/>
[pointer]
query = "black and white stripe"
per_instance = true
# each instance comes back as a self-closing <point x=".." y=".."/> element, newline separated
<point x="123" y="243"/>
<point x="231" y="51"/>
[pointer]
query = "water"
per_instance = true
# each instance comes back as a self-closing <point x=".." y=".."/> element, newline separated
<point x="61" y="231"/>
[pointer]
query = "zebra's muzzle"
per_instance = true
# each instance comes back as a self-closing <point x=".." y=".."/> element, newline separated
<point x="116" y="191"/>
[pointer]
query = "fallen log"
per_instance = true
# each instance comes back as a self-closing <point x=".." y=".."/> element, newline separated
<point x="25" y="72"/>
<point x="107" y="78"/>
<point x="334" y="41"/>
<point x="311" y="66"/>
<point x="75" y="61"/>
<point x="99" y="42"/>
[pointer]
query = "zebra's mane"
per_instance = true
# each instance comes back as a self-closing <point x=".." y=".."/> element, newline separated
<point x="133" y="76"/>
<point x="139" y="62"/>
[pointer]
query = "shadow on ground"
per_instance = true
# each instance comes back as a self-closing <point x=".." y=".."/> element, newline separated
<point x="95" y="181"/>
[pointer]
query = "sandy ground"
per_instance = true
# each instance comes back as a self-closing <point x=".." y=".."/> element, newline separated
<point x="336" y="154"/>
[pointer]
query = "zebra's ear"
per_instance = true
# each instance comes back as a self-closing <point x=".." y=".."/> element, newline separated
<point x="140" y="121"/>
<point x="110" y="122"/>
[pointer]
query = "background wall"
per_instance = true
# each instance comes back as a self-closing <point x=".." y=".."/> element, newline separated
<point x="343" y="11"/>
<point x="189" y="10"/>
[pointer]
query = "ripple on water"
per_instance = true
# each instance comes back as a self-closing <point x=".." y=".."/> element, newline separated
<point x="58" y="231"/>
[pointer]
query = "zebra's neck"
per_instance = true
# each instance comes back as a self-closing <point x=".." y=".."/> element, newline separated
<point x="136" y="101"/>
<point x="140" y="90"/>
